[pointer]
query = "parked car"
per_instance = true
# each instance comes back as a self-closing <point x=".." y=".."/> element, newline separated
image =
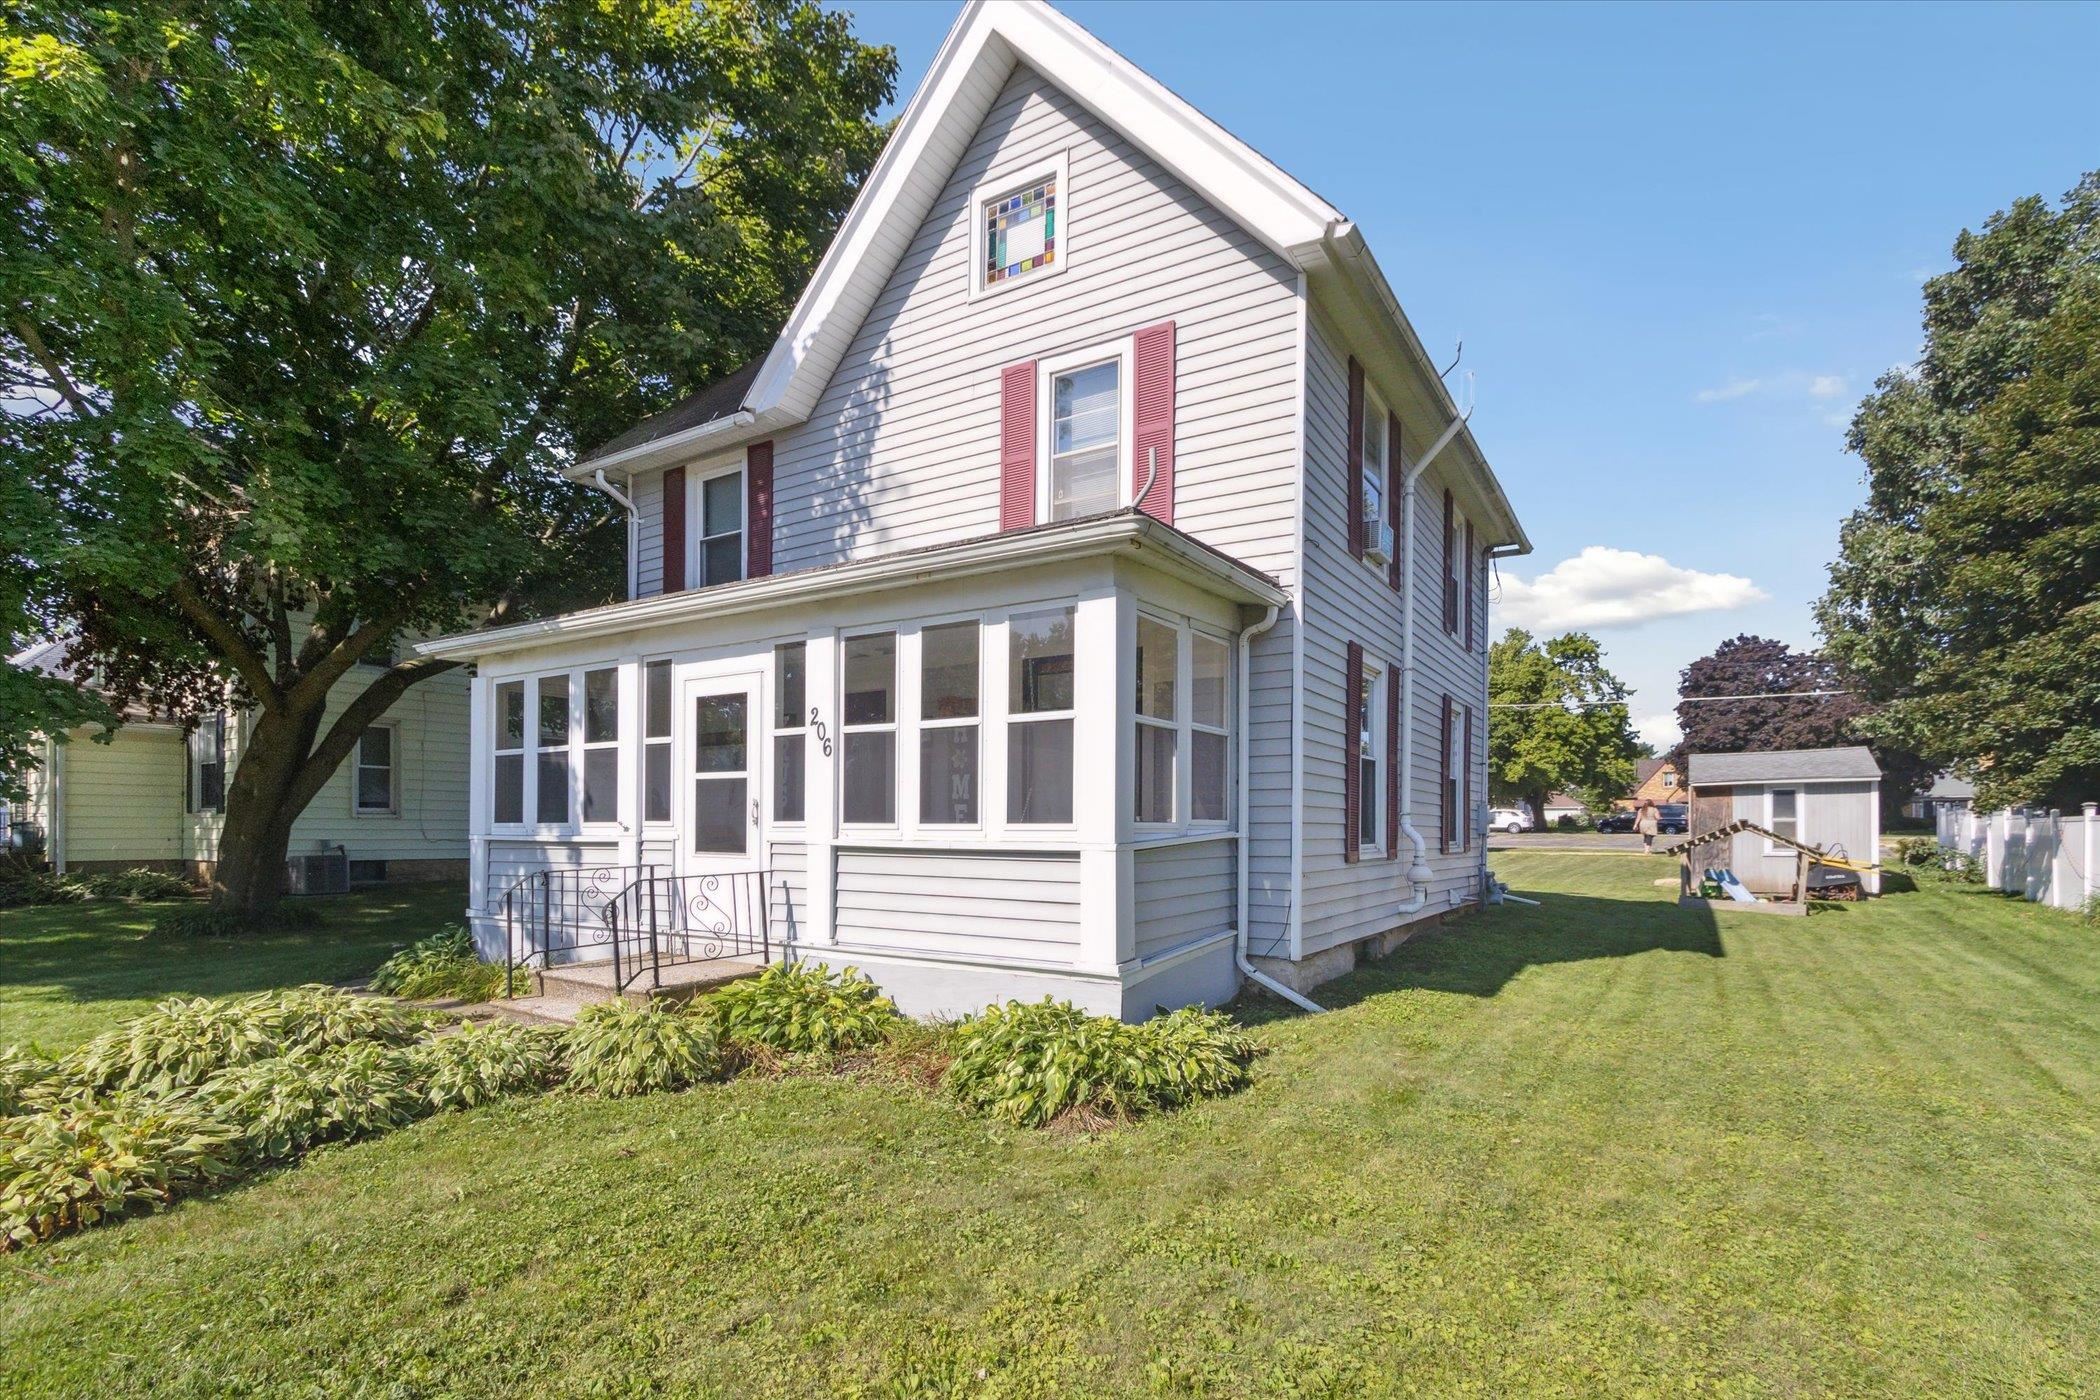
<point x="1671" y="819"/>
<point x="1621" y="820"/>
<point x="1509" y="820"/>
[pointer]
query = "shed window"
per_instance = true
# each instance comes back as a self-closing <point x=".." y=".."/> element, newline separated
<point x="1785" y="813"/>
<point x="1040" y="660"/>
<point x="869" y="767"/>
<point x="373" y="782"/>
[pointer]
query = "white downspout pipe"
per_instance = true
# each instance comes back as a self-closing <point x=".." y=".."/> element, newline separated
<point x="1419" y="874"/>
<point x="1243" y="839"/>
<point x="625" y="503"/>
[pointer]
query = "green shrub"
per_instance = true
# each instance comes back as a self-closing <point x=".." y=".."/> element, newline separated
<point x="24" y="888"/>
<point x="1032" y="1063"/>
<point x="140" y="884"/>
<point x="203" y="921"/>
<point x="281" y="1107"/>
<point x="477" y="1063"/>
<point x="616" y="1049"/>
<point x="27" y="1081"/>
<point x="1917" y="851"/>
<point x="68" y="1167"/>
<point x="183" y="1042"/>
<point x="801" y="1008"/>
<point x="445" y="965"/>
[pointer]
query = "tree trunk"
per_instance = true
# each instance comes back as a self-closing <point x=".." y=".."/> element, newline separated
<point x="261" y="805"/>
<point x="1538" y="809"/>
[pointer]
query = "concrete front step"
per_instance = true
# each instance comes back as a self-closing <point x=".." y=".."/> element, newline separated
<point x="564" y="991"/>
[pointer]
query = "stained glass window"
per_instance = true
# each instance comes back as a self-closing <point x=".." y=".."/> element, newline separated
<point x="1020" y="232"/>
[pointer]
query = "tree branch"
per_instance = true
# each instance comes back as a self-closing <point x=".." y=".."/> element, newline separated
<point x="316" y="683"/>
<point x="247" y="661"/>
<point x="60" y="380"/>
<point x="342" y="736"/>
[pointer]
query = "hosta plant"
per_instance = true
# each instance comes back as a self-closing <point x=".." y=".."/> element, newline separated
<point x="140" y="884"/>
<point x="184" y="1041"/>
<point x="1032" y="1063"/>
<point x="70" y="1166"/>
<point x="283" y="1106"/>
<point x="801" y="1008"/>
<point x="27" y="1081"/>
<point x="444" y="965"/>
<point x="477" y="1063"/>
<point x="616" y="1049"/>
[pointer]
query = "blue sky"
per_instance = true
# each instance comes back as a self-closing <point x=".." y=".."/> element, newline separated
<point x="1680" y="244"/>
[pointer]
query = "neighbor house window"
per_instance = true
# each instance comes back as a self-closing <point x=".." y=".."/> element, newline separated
<point x="1039" y="717"/>
<point x="207" y="744"/>
<point x="510" y="753"/>
<point x="601" y="745"/>
<point x="1370" y="798"/>
<point x="720" y="548"/>
<point x="372" y="780"/>
<point x="1158" y="672"/>
<point x="1785" y="813"/>
<point x="551" y="736"/>
<point x="1669" y="778"/>
<point x="656" y="741"/>
<point x="1086" y="432"/>
<point x="948" y="715"/>
<point x="790" y="730"/>
<point x="1210" y="733"/>
<point x="869" y="729"/>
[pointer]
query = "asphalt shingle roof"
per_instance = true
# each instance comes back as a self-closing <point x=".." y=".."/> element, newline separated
<point x="1782" y="765"/>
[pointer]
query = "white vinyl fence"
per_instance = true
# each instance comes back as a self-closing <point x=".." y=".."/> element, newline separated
<point x="2045" y="856"/>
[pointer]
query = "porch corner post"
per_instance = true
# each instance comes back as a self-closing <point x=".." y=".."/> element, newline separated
<point x="1105" y="624"/>
<point x="479" y="743"/>
<point x="820" y="794"/>
<point x="631" y="777"/>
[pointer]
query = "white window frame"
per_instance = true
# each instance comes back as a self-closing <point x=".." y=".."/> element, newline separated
<point x="1184" y="725"/>
<point x="1011" y="182"/>
<point x="193" y="756"/>
<point x="894" y="727"/>
<point x="1175" y="724"/>
<point x="1008" y="717"/>
<point x="1123" y="351"/>
<point x="667" y="741"/>
<point x="911" y="643"/>
<point x="1375" y="411"/>
<point x="523" y="751"/>
<point x="1457" y="782"/>
<point x="1370" y="797"/>
<point x="1195" y="727"/>
<point x="393" y="777"/>
<point x="696" y="536"/>
<point x="1800" y="817"/>
<point x="775" y="731"/>
<point x="581" y="744"/>
<point x="571" y="824"/>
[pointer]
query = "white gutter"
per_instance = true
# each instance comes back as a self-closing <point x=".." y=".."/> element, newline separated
<point x="1419" y="874"/>
<point x="644" y="455"/>
<point x="1245" y="841"/>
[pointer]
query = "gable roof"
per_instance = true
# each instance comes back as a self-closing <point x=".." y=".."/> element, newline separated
<point x="989" y="38"/>
<point x="1784" y="765"/>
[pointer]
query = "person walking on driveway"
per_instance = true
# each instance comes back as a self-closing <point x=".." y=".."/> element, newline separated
<point x="1646" y="822"/>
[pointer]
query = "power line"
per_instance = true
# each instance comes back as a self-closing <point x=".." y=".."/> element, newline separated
<point x="1682" y="700"/>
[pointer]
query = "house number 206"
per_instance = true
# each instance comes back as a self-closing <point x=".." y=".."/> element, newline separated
<point x="823" y="734"/>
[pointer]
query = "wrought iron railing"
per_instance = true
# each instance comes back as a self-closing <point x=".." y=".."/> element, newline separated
<point x="670" y="921"/>
<point x="555" y="916"/>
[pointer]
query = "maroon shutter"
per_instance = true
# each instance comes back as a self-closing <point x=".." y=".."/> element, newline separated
<point x="1152" y="412"/>
<point x="1450" y="593"/>
<point x="1395" y="482"/>
<point x="1355" y="496"/>
<point x="674" y="529"/>
<point x="1352" y="767"/>
<point x="1017" y="446"/>
<point x="1466" y="582"/>
<point x="1445" y="826"/>
<point x="1466" y="783"/>
<point x="1392" y="766"/>
<point x="758" y="510"/>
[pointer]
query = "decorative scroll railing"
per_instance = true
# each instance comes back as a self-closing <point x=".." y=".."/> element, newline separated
<point x="635" y="917"/>
<point x="557" y="916"/>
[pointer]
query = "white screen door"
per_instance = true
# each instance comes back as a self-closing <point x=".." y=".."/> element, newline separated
<point x="721" y="831"/>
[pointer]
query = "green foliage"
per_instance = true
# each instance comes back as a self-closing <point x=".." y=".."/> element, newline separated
<point x="280" y="1107"/>
<point x="477" y="1063"/>
<point x="617" y="1050"/>
<point x="1924" y="855"/>
<point x="1557" y="720"/>
<point x="1963" y="594"/>
<point x="445" y="965"/>
<point x="140" y="884"/>
<point x="34" y="887"/>
<point x="19" y="887"/>
<point x="1033" y="1063"/>
<point x="799" y="1008"/>
<point x="185" y="1041"/>
<point x="69" y="1166"/>
<point x="1917" y="851"/>
<point x="205" y="921"/>
<point x="27" y="1080"/>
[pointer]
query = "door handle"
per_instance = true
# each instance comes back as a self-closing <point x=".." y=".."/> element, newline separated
<point x="754" y="811"/>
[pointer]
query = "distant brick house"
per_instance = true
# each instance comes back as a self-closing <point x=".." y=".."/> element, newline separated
<point x="1654" y="780"/>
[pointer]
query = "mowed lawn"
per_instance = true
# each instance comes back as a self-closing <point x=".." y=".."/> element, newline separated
<point x="1602" y="1146"/>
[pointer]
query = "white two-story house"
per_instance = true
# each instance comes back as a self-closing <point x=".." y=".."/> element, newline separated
<point x="1085" y="595"/>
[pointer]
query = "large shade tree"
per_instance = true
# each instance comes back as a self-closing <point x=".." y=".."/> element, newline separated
<point x="1557" y="721"/>
<point x="302" y="306"/>
<point x="1965" y="598"/>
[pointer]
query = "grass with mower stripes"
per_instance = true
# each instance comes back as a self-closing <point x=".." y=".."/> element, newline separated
<point x="1600" y="1146"/>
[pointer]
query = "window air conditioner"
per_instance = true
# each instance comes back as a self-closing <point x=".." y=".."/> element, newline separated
<point x="1378" y="546"/>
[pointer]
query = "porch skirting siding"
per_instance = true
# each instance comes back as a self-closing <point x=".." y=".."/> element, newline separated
<point x="1182" y="892"/>
<point x="1014" y="909"/>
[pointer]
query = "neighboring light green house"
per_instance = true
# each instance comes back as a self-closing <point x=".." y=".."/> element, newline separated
<point x="153" y="796"/>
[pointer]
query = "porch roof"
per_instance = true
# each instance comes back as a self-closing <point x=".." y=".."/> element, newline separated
<point x="1126" y="531"/>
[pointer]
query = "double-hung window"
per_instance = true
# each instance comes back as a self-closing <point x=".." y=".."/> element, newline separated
<point x="656" y="741"/>
<point x="510" y="753"/>
<point x="1158" y="674"/>
<point x="207" y="760"/>
<point x="1784" y="813"/>
<point x="551" y="744"/>
<point x="719" y="543"/>
<point x="372" y="784"/>
<point x="948" y="724"/>
<point x="1371" y="485"/>
<point x="869" y="730"/>
<point x="1040" y="676"/>
<point x="1370" y="798"/>
<point x="1086" y="440"/>
<point x="790" y="730"/>
<point x="601" y="746"/>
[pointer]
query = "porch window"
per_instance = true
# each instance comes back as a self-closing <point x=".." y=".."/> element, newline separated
<point x="601" y="746"/>
<point x="1039" y="717"/>
<point x="510" y="753"/>
<point x="869" y="730"/>
<point x="656" y="741"/>
<point x="1370" y="799"/>
<point x="948" y="721"/>
<point x="1210" y="734"/>
<point x="790" y="729"/>
<point x="1158" y="670"/>
<point x="1086" y="429"/>
<point x="551" y="808"/>
<point x="207" y="757"/>
<point x="721" y="544"/>
<point x="373" y="780"/>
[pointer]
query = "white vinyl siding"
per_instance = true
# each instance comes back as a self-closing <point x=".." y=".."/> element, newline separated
<point x="1183" y="892"/>
<point x="1003" y="907"/>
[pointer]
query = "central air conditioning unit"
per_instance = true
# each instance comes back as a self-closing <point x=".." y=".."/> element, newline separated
<point x="1378" y="542"/>
<point x="326" y="871"/>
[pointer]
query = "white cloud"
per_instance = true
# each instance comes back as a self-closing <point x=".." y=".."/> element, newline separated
<point x="1733" y="389"/>
<point x="1659" y="730"/>
<point x="1826" y="386"/>
<point x="1782" y="384"/>
<point x="1606" y="587"/>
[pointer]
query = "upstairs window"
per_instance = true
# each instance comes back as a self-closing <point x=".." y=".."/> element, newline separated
<point x="1086" y="441"/>
<point x="1372" y="482"/>
<point x="719" y="551"/>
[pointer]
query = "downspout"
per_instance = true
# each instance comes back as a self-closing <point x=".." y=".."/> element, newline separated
<point x="1419" y="874"/>
<point x="1245" y="833"/>
<point x="625" y="503"/>
<point x="54" y="798"/>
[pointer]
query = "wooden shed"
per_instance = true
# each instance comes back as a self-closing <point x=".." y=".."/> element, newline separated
<point x="1829" y="799"/>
